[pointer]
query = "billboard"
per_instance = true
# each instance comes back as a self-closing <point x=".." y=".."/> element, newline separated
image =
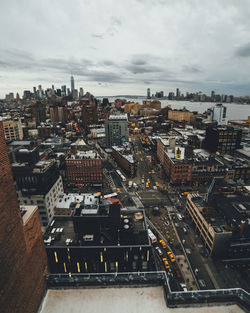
<point x="179" y="153"/>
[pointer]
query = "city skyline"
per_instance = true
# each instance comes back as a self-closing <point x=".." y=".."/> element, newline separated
<point x="175" y="44"/>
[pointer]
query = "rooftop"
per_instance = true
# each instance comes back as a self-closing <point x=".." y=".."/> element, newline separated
<point x="27" y="211"/>
<point x="118" y="117"/>
<point x="126" y="154"/>
<point x="211" y="215"/>
<point x="132" y="229"/>
<point x="90" y="154"/>
<point x="40" y="167"/>
<point x="122" y="300"/>
<point x="65" y="200"/>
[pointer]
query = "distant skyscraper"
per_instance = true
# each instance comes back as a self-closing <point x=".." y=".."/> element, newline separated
<point x="81" y="93"/>
<point x="63" y="88"/>
<point x="219" y="114"/>
<point x="72" y="84"/>
<point x="148" y="93"/>
<point x="178" y="93"/>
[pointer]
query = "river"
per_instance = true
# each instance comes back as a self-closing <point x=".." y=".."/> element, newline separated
<point x="234" y="111"/>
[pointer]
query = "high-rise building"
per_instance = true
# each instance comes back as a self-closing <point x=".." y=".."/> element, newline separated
<point x="64" y="90"/>
<point x="35" y="92"/>
<point x="72" y="83"/>
<point x="219" y="114"/>
<point x="75" y="94"/>
<point x="38" y="110"/>
<point x="89" y="113"/>
<point x="116" y="129"/>
<point x="81" y="93"/>
<point x="38" y="184"/>
<point x="13" y="130"/>
<point x="148" y="93"/>
<point x="222" y="139"/>
<point x="23" y="258"/>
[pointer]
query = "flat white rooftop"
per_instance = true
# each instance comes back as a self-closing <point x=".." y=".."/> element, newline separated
<point x="122" y="300"/>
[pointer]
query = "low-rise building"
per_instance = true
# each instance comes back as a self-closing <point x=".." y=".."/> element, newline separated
<point x="38" y="184"/>
<point x="124" y="157"/>
<point x="99" y="237"/>
<point x="84" y="167"/>
<point x="223" y="224"/>
<point x="177" y="168"/>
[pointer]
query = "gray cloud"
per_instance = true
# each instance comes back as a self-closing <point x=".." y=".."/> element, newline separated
<point x="97" y="36"/>
<point x="243" y="51"/>
<point x="126" y="45"/>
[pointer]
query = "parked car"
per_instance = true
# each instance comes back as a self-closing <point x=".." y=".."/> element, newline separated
<point x="159" y="251"/>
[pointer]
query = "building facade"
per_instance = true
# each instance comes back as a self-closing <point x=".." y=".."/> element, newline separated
<point x="84" y="167"/>
<point x="13" y="130"/>
<point x="222" y="139"/>
<point x="125" y="160"/>
<point x="116" y="130"/>
<point x="39" y="184"/>
<point x="99" y="237"/>
<point x="23" y="258"/>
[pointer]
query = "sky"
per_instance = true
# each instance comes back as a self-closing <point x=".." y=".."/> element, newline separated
<point x="117" y="47"/>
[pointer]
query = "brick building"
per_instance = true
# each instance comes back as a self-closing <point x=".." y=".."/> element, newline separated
<point x="178" y="171"/>
<point x="176" y="167"/>
<point x="125" y="160"/>
<point x="23" y="261"/>
<point x="84" y="167"/>
<point x="89" y="114"/>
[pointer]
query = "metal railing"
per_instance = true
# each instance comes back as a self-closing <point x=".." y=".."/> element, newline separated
<point x="130" y="279"/>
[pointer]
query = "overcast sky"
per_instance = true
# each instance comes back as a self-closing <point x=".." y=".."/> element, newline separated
<point x="125" y="46"/>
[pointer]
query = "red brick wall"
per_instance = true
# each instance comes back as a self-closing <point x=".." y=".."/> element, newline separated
<point x="22" y="283"/>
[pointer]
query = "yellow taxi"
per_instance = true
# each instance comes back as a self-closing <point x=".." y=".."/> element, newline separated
<point x="171" y="256"/>
<point x="163" y="244"/>
<point x="166" y="264"/>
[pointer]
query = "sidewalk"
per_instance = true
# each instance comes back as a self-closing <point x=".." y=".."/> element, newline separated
<point x="187" y="275"/>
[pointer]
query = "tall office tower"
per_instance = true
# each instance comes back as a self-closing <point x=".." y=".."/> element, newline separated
<point x="81" y="93"/>
<point x="148" y="93"/>
<point x="89" y="113"/>
<point x="116" y="129"/>
<point x="23" y="261"/>
<point x="178" y="93"/>
<point x="34" y="91"/>
<point x="219" y="114"/>
<point x="72" y="84"/>
<point x="38" y="111"/>
<point x="40" y="91"/>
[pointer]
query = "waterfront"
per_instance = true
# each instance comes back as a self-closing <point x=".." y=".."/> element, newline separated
<point x="234" y="111"/>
